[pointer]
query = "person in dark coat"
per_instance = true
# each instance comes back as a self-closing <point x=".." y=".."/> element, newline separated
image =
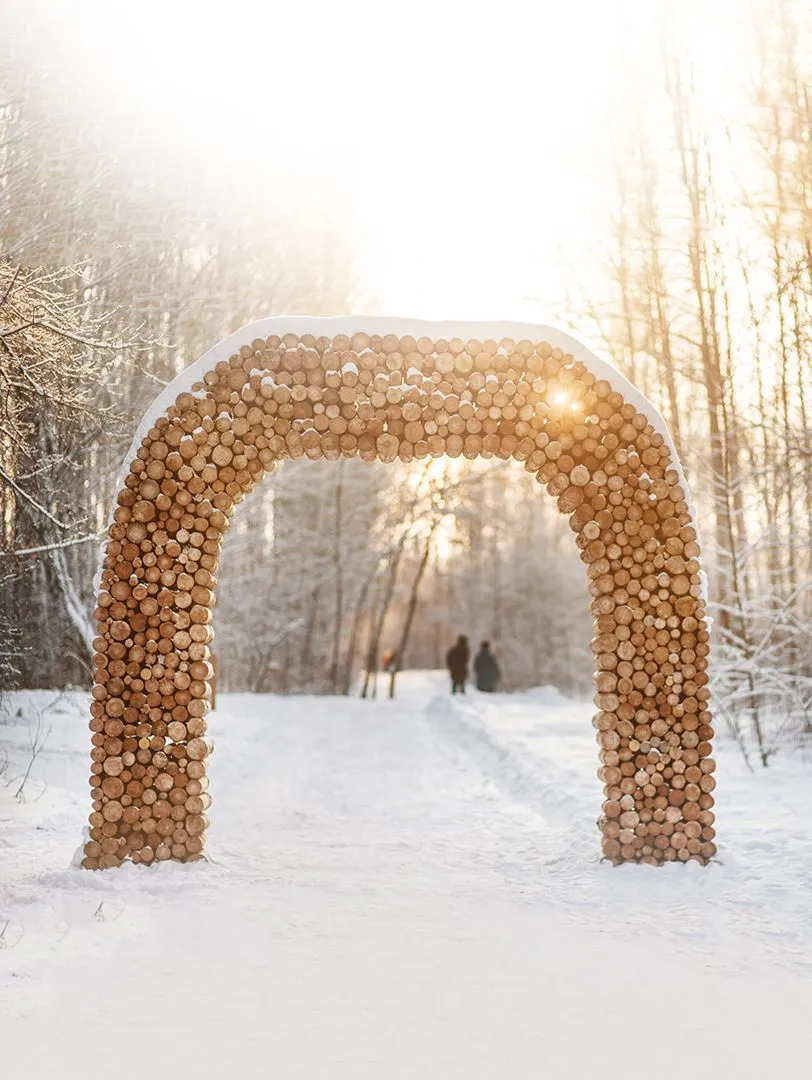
<point x="487" y="670"/>
<point x="457" y="659"/>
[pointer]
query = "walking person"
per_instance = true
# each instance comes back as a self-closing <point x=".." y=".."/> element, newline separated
<point x="456" y="660"/>
<point x="486" y="667"/>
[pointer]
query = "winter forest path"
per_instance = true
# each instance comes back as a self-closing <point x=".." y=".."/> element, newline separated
<point x="405" y="889"/>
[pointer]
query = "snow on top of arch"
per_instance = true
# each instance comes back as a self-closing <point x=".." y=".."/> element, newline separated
<point x="331" y="326"/>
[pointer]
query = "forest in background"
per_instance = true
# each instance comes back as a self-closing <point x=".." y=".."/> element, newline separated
<point x="115" y="274"/>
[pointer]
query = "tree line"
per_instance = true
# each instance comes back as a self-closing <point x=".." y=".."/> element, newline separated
<point x="706" y="307"/>
<point x="116" y="273"/>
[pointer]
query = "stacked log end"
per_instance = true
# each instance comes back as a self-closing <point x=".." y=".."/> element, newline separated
<point x="386" y="398"/>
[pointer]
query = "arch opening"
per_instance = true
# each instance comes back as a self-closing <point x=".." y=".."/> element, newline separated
<point x="382" y="389"/>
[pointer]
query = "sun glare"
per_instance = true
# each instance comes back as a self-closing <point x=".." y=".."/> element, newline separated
<point x="413" y="125"/>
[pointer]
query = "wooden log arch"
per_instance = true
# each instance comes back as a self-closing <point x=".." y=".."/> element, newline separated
<point x="383" y="389"/>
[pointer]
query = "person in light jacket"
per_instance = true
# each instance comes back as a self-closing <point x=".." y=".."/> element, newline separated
<point x="486" y="667"/>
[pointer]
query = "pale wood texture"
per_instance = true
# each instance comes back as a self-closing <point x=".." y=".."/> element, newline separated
<point x="389" y="397"/>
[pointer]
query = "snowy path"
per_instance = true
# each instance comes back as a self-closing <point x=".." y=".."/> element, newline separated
<point x="407" y="889"/>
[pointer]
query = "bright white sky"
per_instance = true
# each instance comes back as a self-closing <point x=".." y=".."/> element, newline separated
<point x="471" y="141"/>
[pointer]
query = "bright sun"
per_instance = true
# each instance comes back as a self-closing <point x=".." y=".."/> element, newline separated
<point x="471" y="150"/>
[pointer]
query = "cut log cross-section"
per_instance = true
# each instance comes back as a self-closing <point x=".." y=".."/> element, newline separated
<point x="311" y="388"/>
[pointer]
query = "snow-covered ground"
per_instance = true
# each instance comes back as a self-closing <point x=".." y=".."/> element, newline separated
<point x="399" y="890"/>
